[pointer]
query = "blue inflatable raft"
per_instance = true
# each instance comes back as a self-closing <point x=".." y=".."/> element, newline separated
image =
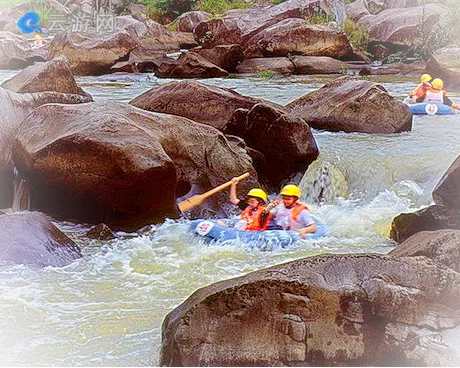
<point x="212" y="231"/>
<point x="426" y="108"/>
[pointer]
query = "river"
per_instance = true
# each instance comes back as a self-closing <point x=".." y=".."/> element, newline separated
<point x="107" y="308"/>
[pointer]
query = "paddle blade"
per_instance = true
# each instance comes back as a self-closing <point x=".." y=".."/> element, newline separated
<point x="191" y="202"/>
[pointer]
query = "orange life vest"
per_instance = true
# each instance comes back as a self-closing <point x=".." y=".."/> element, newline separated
<point x="295" y="212"/>
<point x="253" y="219"/>
<point x="420" y="90"/>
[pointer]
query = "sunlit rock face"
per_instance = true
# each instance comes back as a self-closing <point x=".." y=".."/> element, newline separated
<point x="322" y="311"/>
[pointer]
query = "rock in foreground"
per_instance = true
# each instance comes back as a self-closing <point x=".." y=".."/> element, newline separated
<point x="322" y="311"/>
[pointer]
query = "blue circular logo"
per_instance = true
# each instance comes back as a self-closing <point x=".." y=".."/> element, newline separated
<point x="28" y="23"/>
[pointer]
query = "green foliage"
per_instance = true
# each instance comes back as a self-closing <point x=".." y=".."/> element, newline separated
<point x="348" y="1"/>
<point x="317" y="16"/>
<point x="276" y="2"/>
<point x="357" y="34"/>
<point x="164" y="11"/>
<point x="216" y="7"/>
<point x="266" y="74"/>
<point x="43" y="10"/>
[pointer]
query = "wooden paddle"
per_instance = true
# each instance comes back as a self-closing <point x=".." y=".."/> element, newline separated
<point x="199" y="198"/>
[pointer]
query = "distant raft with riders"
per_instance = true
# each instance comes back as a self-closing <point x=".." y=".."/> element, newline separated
<point x="281" y="223"/>
<point x="430" y="98"/>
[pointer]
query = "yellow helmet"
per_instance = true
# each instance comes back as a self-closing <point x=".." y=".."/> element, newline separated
<point x="38" y="36"/>
<point x="257" y="193"/>
<point x="291" y="190"/>
<point x="425" y="78"/>
<point x="437" y="83"/>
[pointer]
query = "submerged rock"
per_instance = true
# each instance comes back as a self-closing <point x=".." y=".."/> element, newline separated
<point x="100" y="232"/>
<point x="352" y="105"/>
<point x="337" y="310"/>
<point x="29" y="238"/>
<point x="111" y="163"/>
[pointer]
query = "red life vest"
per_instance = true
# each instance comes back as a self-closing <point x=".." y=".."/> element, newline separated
<point x="434" y="95"/>
<point x="420" y="90"/>
<point x="253" y="218"/>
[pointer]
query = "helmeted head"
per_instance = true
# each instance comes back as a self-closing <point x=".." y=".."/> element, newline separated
<point x="425" y="78"/>
<point x="437" y="83"/>
<point x="291" y="190"/>
<point x="37" y="36"/>
<point x="290" y="194"/>
<point x="258" y="194"/>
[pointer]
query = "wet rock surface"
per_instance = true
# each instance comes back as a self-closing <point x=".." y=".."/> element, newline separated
<point x="115" y="164"/>
<point x="321" y="311"/>
<point x="197" y="101"/>
<point x="29" y="238"/>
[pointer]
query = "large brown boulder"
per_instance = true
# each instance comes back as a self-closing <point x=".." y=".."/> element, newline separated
<point x="197" y="101"/>
<point x="276" y="65"/>
<point x="296" y="36"/>
<point x="226" y="57"/>
<point x="190" y="65"/>
<point x="335" y="310"/>
<point x="442" y="246"/>
<point x="255" y="19"/>
<point x="403" y="26"/>
<point x="54" y="75"/>
<point x="319" y="65"/>
<point x="445" y="63"/>
<point x="447" y="191"/>
<point x="92" y="54"/>
<point x="14" y="108"/>
<point x="352" y="105"/>
<point x="29" y="238"/>
<point x="285" y="140"/>
<point x="431" y="218"/>
<point x="186" y="22"/>
<point x="16" y="53"/>
<point x="119" y="165"/>
<point x="216" y="32"/>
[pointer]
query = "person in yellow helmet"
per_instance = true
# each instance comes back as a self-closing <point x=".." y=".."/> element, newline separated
<point x="293" y="214"/>
<point x="437" y="94"/>
<point x="254" y="216"/>
<point x="420" y="90"/>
